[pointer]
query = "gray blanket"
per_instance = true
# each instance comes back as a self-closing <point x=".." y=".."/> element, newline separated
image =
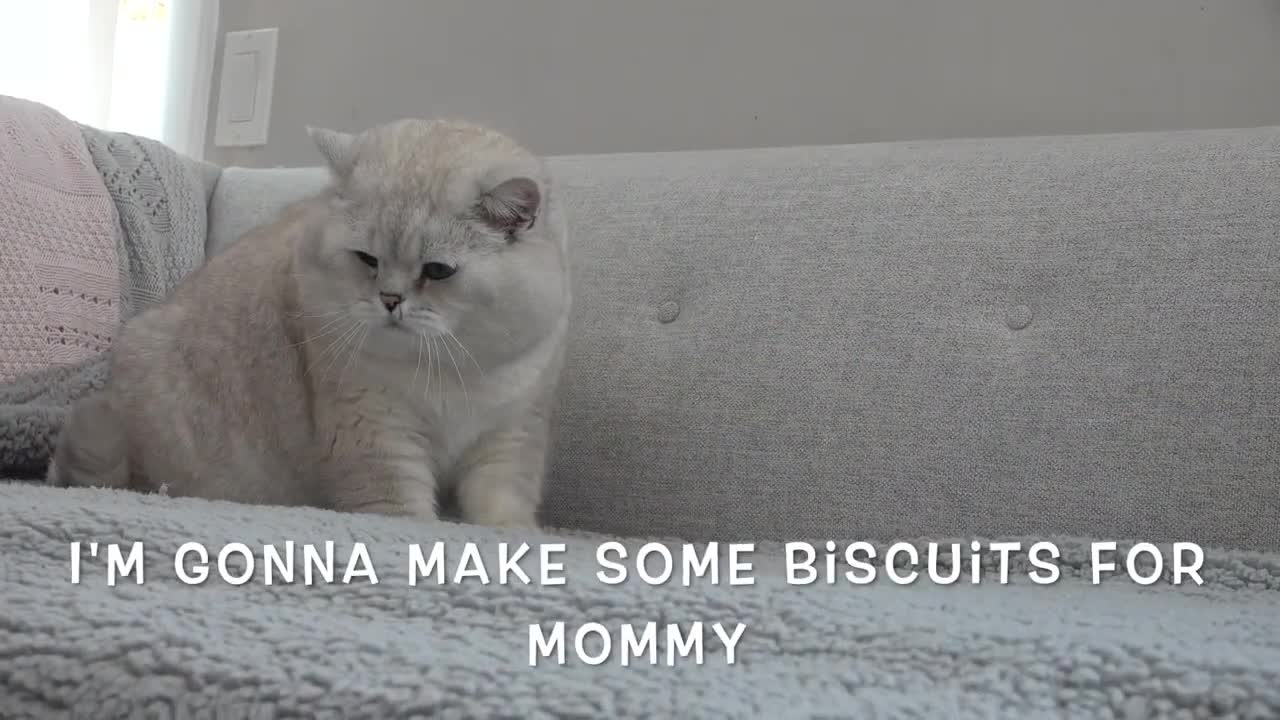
<point x="160" y="201"/>
<point x="391" y="650"/>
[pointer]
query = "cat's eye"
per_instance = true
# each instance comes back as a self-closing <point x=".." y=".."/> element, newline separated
<point x="437" y="271"/>
<point x="367" y="259"/>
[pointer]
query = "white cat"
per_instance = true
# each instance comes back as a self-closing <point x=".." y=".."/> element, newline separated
<point x="400" y="334"/>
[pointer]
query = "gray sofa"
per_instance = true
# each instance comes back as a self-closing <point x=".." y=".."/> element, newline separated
<point x="1068" y="338"/>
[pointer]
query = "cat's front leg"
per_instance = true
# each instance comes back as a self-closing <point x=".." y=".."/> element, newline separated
<point x="384" y="478"/>
<point x="500" y="479"/>
<point x="369" y="458"/>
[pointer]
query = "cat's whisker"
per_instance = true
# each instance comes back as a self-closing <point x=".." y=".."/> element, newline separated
<point x="334" y="349"/>
<point x="312" y="316"/>
<point x="468" y="352"/>
<point x="351" y="354"/>
<point x="444" y="396"/>
<point x="333" y="359"/>
<point x="465" y="397"/>
<point x="430" y="362"/>
<point x="326" y="330"/>
<point x="413" y="384"/>
<point x="332" y="343"/>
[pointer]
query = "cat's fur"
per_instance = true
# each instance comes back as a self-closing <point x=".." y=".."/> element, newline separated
<point x="277" y="374"/>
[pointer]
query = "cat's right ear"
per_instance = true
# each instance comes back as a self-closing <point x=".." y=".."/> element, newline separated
<point x="338" y="149"/>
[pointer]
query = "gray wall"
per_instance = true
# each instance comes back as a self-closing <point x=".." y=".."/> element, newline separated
<point x="586" y="76"/>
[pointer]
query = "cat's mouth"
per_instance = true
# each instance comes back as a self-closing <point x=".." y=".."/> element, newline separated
<point x="397" y="325"/>
<point x="400" y="327"/>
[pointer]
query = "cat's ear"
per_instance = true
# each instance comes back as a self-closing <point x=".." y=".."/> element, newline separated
<point x="511" y="206"/>
<point x="338" y="149"/>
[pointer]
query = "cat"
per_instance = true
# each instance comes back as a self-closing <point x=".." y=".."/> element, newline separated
<point x="399" y="335"/>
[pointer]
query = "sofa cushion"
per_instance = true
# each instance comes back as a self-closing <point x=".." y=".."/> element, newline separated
<point x="1071" y="335"/>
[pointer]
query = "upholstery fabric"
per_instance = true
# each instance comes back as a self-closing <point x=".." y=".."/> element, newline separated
<point x="1068" y="335"/>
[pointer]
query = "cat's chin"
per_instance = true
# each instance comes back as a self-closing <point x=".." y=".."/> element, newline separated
<point x="395" y="341"/>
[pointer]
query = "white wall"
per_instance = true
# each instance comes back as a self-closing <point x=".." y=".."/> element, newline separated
<point x="585" y="76"/>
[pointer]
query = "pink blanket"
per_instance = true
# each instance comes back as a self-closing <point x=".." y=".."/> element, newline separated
<point x="59" y="276"/>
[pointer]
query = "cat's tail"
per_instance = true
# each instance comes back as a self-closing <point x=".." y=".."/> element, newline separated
<point x="91" y="450"/>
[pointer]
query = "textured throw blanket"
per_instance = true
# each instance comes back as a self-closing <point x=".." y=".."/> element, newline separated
<point x="390" y="650"/>
<point x="155" y="216"/>
<point x="59" y="280"/>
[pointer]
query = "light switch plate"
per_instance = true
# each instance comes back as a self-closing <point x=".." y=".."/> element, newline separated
<point x="244" y="92"/>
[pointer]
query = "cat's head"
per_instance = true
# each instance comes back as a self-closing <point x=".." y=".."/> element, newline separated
<point x="435" y="230"/>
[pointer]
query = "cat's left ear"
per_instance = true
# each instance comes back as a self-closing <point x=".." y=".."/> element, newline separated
<point x="338" y="149"/>
<point x="511" y="206"/>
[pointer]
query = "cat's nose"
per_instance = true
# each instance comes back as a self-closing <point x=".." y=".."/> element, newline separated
<point x="391" y="301"/>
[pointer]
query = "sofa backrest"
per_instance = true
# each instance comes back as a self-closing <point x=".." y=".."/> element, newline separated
<point x="1072" y="335"/>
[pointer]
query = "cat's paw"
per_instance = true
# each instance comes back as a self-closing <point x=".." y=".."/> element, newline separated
<point x="407" y="496"/>
<point x="500" y="509"/>
<point x="514" y="522"/>
<point x="416" y="511"/>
